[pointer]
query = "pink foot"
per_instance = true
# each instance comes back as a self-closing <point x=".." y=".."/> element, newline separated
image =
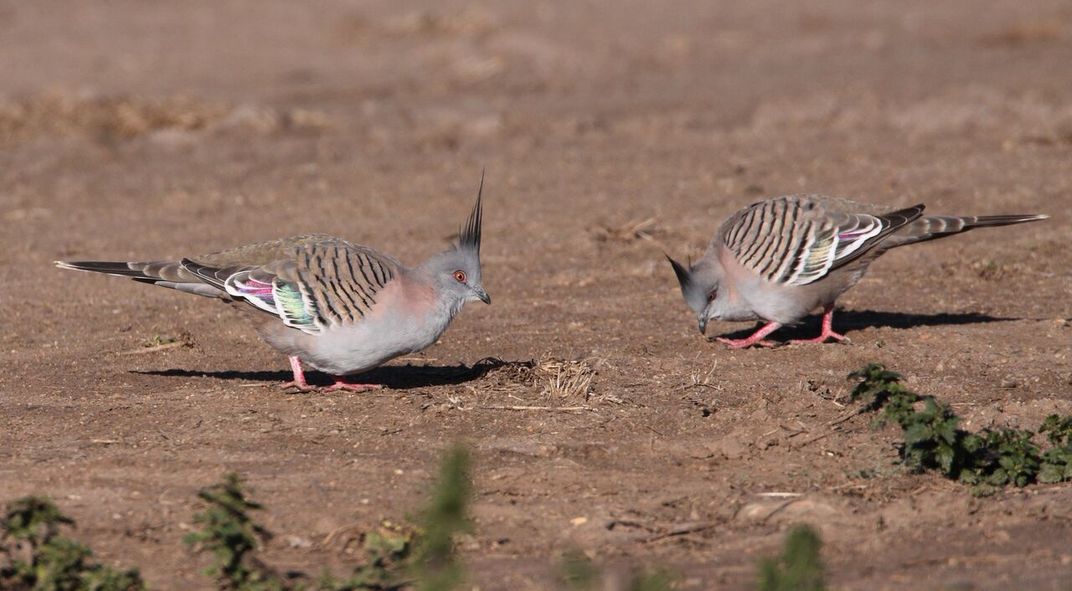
<point x="828" y="330"/>
<point x="755" y="339"/>
<point x="298" y="383"/>
<point x="341" y="385"/>
<point x="822" y="338"/>
<point x="745" y="343"/>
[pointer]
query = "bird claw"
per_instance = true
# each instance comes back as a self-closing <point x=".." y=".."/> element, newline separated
<point x="840" y="338"/>
<point x="305" y="388"/>
<point x="341" y="385"/>
<point x="745" y="343"/>
<point x="297" y="386"/>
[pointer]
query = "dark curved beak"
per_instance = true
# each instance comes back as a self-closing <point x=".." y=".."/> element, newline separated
<point x="703" y="326"/>
<point x="482" y="295"/>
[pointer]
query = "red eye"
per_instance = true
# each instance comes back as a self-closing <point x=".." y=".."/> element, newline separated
<point x="459" y="276"/>
<point x="711" y="296"/>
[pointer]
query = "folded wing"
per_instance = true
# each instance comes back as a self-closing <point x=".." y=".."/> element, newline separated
<point x="310" y="282"/>
<point x="796" y="240"/>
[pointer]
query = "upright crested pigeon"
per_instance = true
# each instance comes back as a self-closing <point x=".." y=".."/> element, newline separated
<point x="779" y="259"/>
<point x="341" y="307"/>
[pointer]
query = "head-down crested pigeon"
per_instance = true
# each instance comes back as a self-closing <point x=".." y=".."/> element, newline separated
<point x="779" y="259"/>
<point x="341" y="307"/>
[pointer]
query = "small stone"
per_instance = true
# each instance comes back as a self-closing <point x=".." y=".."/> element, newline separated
<point x="298" y="542"/>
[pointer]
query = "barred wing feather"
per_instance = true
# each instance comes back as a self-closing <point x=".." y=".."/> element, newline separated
<point x="318" y="285"/>
<point x="796" y="240"/>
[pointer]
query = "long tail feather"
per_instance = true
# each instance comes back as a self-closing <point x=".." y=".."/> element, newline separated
<point x="214" y="276"/>
<point x="118" y="268"/>
<point x="933" y="227"/>
<point x="981" y="221"/>
<point x="168" y="274"/>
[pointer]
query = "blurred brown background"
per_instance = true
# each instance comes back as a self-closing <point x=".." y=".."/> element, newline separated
<point x="610" y="131"/>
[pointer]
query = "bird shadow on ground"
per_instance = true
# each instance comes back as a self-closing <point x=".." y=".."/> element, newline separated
<point x="852" y="320"/>
<point x="395" y="377"/>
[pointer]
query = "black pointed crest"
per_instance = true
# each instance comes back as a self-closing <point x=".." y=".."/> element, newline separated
<point x="679" y="270"/>
<point x="470" y="236"/>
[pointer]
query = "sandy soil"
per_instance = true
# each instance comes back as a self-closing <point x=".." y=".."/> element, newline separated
<point x="610" y="131"/>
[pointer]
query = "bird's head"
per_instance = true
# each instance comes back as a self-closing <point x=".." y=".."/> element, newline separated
<point x="456" y="271"/>
<point x="700" y="287"/>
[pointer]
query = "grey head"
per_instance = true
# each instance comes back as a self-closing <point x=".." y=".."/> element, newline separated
<point x="455" y="272"/>
<point x="700" y="285"/>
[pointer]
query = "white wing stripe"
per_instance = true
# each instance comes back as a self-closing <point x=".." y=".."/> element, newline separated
<point x="853" y="239"/>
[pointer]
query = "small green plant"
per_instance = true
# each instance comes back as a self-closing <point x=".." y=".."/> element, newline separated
<point x="660" y="580"/>
<point x="997" y="458"/>
<point x="425" y="552"/>
<point x="932" y="435"/>
<point x="799" y="568"/>
<point x="396" y="556"/>
<point x="577" y="571"/>
<point x="933" y="439"/>
<point x="232" y="536"/>
<point x="1058" y="430"/>
<point x="33" y="556"/>
<point x="437" y="567"/>
<point x="877" y="386"/>
<point x="388" y="553"/>
<point x="579" y="574"/>
<point x="1057" y="461"/>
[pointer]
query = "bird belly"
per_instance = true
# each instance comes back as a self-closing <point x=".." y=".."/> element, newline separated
<point x="388" y="331"/>
<point x="353" y="349"/>
<point x="785" y="304"/>
<point x="738" y="315"/>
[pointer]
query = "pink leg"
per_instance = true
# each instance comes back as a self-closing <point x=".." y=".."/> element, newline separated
<point x="828" y="329"/>
<point x="299" y="377"/>
<point x="301" y="385"/>
<point x="755" y="339"/>
<point x="341" y="384"/>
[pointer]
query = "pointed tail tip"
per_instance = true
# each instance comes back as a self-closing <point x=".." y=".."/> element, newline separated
<point x="73" y="266"/>
<point x="1006" y="220"/>
<point x="1027" y="217"/>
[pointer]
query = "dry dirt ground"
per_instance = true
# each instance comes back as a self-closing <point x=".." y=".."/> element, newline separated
<point x="610" y="130"/>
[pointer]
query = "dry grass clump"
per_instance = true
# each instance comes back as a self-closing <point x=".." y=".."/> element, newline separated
<point x="548" y="383"/>
<point x="423" y="22"/>
<point x="632" y="231"/>
<point x="116" y="118"/>
<point x="419" y="23"/>
<point x="566" y="379"/>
